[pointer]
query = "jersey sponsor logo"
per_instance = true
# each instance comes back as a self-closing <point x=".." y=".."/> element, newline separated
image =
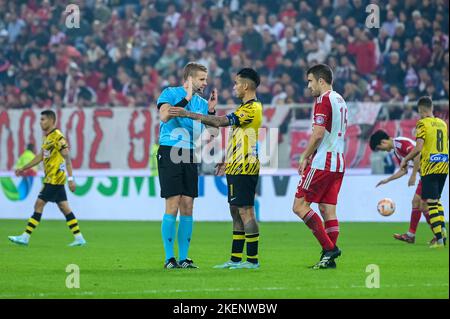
<point x="438" y="158"/>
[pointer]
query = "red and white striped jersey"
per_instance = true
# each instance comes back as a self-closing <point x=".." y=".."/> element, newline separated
<point x="402" y="147"/>
<point x="330" y="111"/>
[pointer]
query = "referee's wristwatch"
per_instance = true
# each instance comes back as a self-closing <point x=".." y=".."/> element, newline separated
<point x="70" y="179"/>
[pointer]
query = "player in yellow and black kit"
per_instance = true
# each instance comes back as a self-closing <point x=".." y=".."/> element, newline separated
<point x="55" y="155"/>
<point x="432" y="144"/>
<point x="241" y="166"/>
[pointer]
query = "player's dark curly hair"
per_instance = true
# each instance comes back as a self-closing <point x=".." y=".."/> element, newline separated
<point x="249" y="73"/>
<point x="376" y="138"/>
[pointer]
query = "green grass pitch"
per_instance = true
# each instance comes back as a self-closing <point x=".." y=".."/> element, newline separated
<point x="124" y="260"/>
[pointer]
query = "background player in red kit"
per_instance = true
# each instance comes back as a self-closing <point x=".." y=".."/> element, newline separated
<point x="402" y="146"/>
<point x="322" y="164"/>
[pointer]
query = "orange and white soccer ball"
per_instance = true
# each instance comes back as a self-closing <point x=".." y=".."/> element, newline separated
<point x="386" y="207"/>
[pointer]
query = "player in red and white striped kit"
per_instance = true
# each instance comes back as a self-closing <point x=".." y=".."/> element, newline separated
<point x="322" y="164"/>
<point x="402" y="146"/>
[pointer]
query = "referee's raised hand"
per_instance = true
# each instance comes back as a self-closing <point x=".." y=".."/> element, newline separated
<point x="212" y="102"/>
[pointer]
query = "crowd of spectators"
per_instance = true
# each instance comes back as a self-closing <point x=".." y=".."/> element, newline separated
<point x="126" y="51"/>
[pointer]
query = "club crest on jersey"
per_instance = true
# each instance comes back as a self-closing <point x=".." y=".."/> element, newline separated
<point x="319" y="119"/>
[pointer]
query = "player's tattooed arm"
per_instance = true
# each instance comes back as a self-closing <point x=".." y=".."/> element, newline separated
<point x="164" y="112"/>
<point x="211" y="120"/>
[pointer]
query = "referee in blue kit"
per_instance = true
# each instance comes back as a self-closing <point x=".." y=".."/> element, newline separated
<point x="177" y="170"/>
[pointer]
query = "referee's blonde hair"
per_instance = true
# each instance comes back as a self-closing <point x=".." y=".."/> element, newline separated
<point x="192" y="68"/>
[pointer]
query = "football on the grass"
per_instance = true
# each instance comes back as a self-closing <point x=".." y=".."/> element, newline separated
<point x="386" y="207"/>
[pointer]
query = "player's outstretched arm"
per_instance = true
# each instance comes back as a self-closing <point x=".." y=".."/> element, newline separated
<point x="164" y="112"/>
<point x="66" y="155"/>
<point x="165" y="107"/>
<point x="211" y="120"/>
<point x="35" y="161"/>
<point x="401" y="172"/>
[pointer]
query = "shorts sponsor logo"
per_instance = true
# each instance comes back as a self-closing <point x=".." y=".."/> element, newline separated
<point x="438" y="158"/>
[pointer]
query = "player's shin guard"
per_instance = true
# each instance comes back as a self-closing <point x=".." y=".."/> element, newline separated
<point x="252" y="247"/>
<point x="168" y="228"/>
<point x="72" y="222"/>
<point x="33" y="222"/>
<point x="332" y="229"/>
<point x="313" y="221"/>
<point x="435" y="219"/>
<point x="414" y="222"/>
<point x="184" y="236"/>
<point x="238" y="246"/>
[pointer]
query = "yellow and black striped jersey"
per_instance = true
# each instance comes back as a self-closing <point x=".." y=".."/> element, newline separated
<point x="242" y="150"/>
<point x="434" y="155"/>
<point x="54" y="165"/>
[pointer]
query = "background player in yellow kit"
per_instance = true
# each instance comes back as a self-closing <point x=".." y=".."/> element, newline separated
<point x="55" y="155"/>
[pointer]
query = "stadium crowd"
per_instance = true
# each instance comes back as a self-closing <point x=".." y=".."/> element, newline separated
<point x="126" y="51"/>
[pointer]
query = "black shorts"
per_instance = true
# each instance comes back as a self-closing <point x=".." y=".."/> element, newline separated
<point x="432" y="186"/>
<point x="242" y="189"/>
<point x="53" y="193"/>
<point x="179" y="178"/>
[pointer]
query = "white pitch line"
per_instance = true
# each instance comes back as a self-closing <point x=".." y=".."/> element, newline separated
<point x="147" y="292"/>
